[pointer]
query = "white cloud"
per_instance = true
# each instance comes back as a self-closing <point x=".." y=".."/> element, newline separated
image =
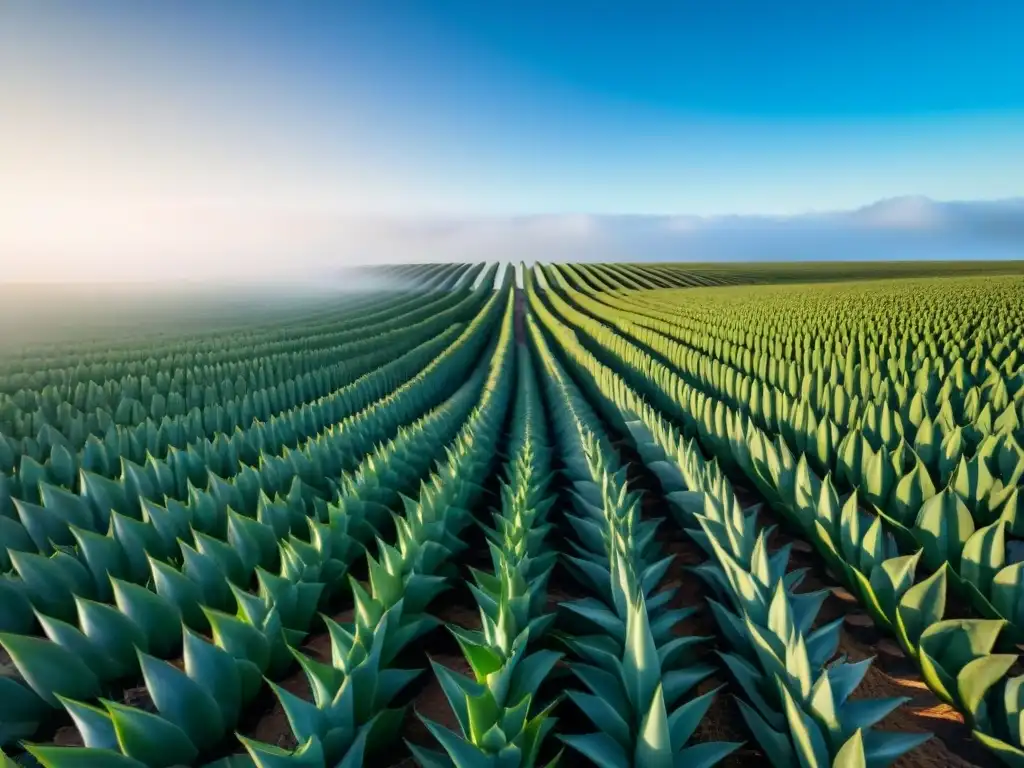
<point x="911" y="212"/>
<point x="246" y="242"/>
<point x="684" y="223"/>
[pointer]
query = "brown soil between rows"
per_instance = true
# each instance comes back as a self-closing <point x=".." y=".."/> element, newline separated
<point x="723" y="721"/>
<point x="519" y="316"/>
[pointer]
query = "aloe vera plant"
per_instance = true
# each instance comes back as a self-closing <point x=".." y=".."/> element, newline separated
<point x="350" y="714"/>
<point x="83" y="659"/>
<point x="499" y="724"/>
<point x="635" y="701"/>
<point x="196" y="707"/>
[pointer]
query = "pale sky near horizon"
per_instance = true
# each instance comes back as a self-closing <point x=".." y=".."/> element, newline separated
<point x="147" y="139"/>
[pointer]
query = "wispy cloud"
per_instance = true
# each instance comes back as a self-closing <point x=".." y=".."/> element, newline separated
<point x="250" y="243"/>
<point x="900" y="228"/>
<point x="912" y="212"/>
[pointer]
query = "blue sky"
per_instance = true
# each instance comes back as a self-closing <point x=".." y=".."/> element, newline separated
<point x="204" y="116"/>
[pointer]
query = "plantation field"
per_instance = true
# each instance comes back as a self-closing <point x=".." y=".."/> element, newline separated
<point x="464" y="515"/>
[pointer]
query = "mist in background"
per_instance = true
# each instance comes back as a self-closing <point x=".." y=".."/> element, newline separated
<point x="244" y="143"/>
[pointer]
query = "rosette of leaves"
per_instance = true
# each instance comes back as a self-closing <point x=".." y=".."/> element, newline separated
<point x="611" y="534"/>
<point x="500" y="727"/>
<point x="634" y="697"/>
<point x="82" y="660"/>
<point x="520" y="525"/>
<point x="795" y="698"/>
<point x="958" y="662"/>
<point x="351" y="713"/>
<point x="997" y="708"/>
<point x="511" y="601"/>
<point x="196" y="707"/>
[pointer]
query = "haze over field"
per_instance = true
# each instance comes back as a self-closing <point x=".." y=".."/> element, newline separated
<point x="254" y="142"/>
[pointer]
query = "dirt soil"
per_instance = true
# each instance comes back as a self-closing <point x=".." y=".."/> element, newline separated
<point x="519" y="315"/>
<point x="722" y="721"/>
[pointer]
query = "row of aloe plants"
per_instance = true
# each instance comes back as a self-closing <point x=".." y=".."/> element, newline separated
<point x="263" y="457"/>
<point x="254" y="393"/>
<point x="634" y="663"/>
<point x="936" y="422"/>
<point x="948" y="340"/>
<point x="499" y="720"/>
<point x="965" y="524"/>
<point x="244" y="459"/>
<point x="646" y="277"/>
<point x="795" y="695"/>
<point x="896" y="390"/>
<point x="352" y="712"/>
<point x="931" y="433"/>
<point x="112" y="357"/>
<point x="241" y="397"/>
<point x="228" y="339"/>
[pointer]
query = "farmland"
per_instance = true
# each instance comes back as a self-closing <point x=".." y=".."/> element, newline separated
<point x="611" y="514"/>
